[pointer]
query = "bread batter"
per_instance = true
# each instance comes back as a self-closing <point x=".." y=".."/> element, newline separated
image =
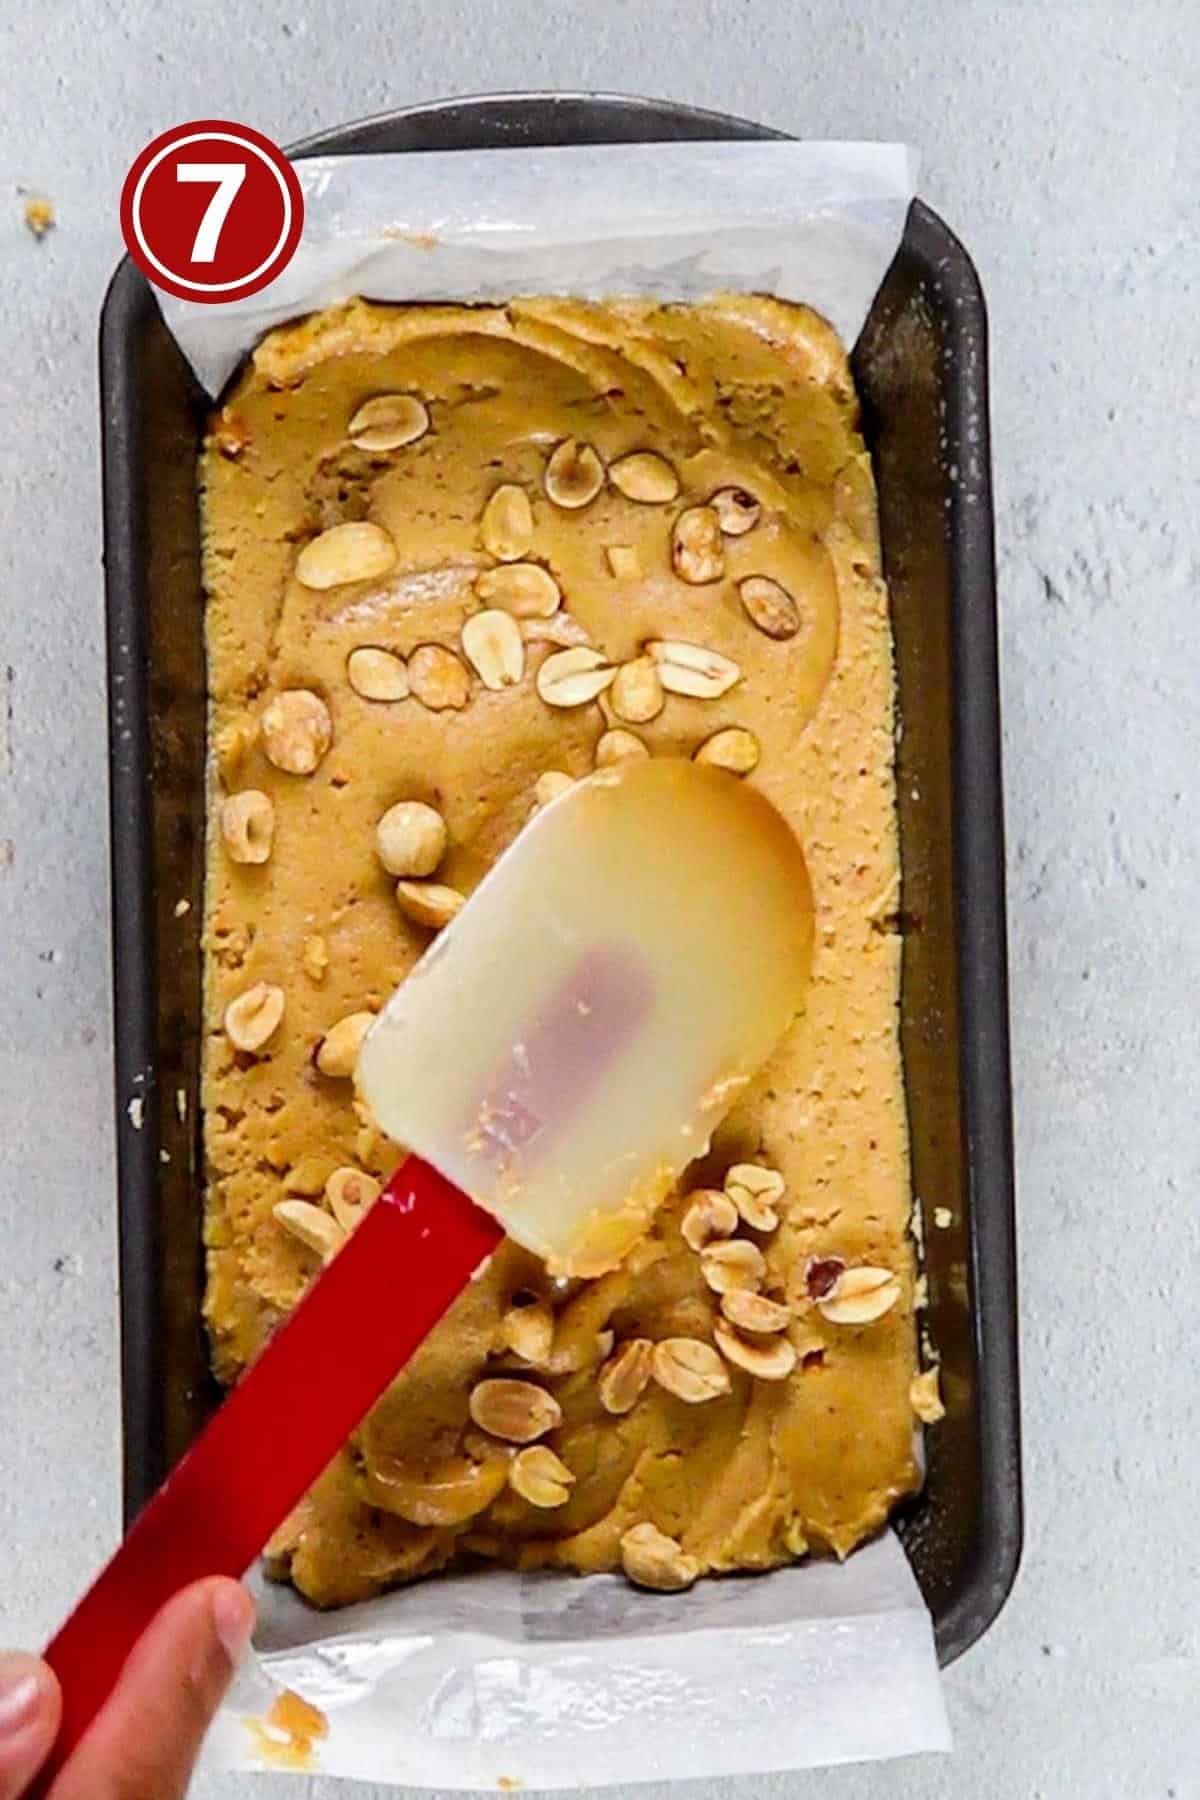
<point x="579" y="532"/>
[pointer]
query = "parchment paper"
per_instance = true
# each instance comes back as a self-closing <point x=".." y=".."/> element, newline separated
<point x="484" y="1680"/>
<point x="549" y="1681"/>
<point x="812" y="222"/>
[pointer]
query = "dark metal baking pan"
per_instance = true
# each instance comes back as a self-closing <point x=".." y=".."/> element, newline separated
<point x="921" y="364"/>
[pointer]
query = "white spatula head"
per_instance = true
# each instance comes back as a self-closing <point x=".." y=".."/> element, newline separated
<point x="574" y="1036"/>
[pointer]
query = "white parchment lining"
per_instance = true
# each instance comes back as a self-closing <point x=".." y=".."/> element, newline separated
<point x="812" y="222"/>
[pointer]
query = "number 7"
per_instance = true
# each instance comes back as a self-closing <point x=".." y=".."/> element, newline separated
<point x="228" y="178"/>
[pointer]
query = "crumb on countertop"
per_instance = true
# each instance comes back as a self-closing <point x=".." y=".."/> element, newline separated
<point x="40" y="216"/>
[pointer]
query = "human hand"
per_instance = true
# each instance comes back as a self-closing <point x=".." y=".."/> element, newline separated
<point x="143" y="1743"/>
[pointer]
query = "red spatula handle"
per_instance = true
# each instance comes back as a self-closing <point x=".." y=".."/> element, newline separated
<point x="281" y="1425"/>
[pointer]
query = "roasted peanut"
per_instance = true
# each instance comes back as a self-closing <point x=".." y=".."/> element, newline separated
<point x="651" y="1559"/>
<point x="493" y="645"/>
<point x="254" y="1017"/>
<point x="710" y="1216"/>
<point x="355" y="551"/>
<point x="525" y="590"/>
<point x="689" y="1369"/>
<point x="338" y="1050"/>
<point x="248" y="826"/>
<point x="389" y="422"/>
<point x="410" y="838"/>
<point x="636" y="694"/>
<point x="516" y="1411"/>
<point x="697" y="553"/>
<point x="733" y="749"/>
<point x="296" y="731"/>
<point x="737" y="511"/>
<point x="506" y="528"/>
<point x="377" y="674"/>
<point x="860" y="1296"/>
<point x="438" y="679"/>
<point x="623" y="1378"/>
<point x="574" y="474"/>
<point x="769" y="606"/>
<point x="618" y="746"/>
<point x="736" y="1263"/>
<point x="428" y="903"/>
<point x="540" y="1477"/>
<point x="646" y="477"/>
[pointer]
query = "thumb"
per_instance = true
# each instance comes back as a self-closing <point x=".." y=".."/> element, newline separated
<point x="30" y="1705"/>
<point x="143" y="1743"/>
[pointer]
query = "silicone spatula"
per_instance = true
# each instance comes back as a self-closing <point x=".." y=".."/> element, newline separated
<point x="560" y="1054"/>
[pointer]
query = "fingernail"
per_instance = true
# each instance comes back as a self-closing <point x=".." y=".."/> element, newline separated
<point x="20" y="1701"/>
<point x="233" y="1617"/>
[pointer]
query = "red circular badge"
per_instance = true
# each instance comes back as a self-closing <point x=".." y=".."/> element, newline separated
<point x="211" y="211"/>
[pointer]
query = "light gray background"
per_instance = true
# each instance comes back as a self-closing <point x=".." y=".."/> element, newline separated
<point x="1061" y="142"/>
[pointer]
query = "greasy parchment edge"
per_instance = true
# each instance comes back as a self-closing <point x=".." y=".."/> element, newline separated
<point x="482" y="1681"/>
<point x="813" y="222"/>
<point x="492" y="1680"/>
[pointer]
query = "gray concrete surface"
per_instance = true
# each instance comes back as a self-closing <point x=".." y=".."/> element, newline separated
<point x="1061" y="142"/>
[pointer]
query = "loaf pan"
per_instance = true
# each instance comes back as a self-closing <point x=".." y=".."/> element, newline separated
<point x="921" y="366"/>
